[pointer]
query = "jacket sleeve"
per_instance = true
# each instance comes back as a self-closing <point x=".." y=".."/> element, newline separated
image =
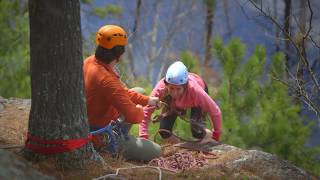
<point x="148" y="110"/>
<point x="138" y="98"/>
<point x="120" y="99"/>
<point x="209" y="105"/>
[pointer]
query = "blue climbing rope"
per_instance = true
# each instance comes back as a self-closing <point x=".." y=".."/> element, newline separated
<point x="112" y="145"/>
<point x="114" y="131"/>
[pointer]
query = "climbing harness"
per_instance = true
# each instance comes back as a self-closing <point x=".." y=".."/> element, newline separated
<point x="168" y="109"/>
<point x="113" y="132"/>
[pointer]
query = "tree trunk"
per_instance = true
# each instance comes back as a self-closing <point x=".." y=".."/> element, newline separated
<point x="209" y="22"/>
<point x="226" y="14"/>
<point x="58" y="110"/>
<point x="137" y="17"/>
<point x="276" y="29"/>
<point x="154" y="39"/>
<point x="134" y="35"/>
<point x="301" y="45"/>
<point x="287" y="17"/>
<point x="207" y="69"/>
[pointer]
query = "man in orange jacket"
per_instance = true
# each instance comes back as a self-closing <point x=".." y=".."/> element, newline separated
<point x="107" y="97"/>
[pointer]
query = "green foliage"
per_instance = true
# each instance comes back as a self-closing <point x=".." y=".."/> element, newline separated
<point x="259" y="113"/>
<point x="109" y="9"/>
<point x="278" y="69"/>
<point x="210" y="3"/>
<point x="183" y="129"/>
<point x="14" y="50"/>
<point x="232" y="55"/>
<point x="191" y="62"/>
<point x="86" y="1"/>
<point x="153" y="129"/>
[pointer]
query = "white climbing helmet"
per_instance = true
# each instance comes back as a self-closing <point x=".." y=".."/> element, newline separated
<point x="177" y="74"/>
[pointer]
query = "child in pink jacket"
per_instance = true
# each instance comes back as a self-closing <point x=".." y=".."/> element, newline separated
<point x="186" y="90"/>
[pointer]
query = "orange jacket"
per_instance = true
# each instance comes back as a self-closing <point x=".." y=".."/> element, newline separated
<point x="107" y="97"/>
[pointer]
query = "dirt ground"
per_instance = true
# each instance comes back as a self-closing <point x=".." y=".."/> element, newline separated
<point x="14" y="114"/>
<point x="228" y="162"/>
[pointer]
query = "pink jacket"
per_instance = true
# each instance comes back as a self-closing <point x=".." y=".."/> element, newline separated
<point x="194" y="96"/>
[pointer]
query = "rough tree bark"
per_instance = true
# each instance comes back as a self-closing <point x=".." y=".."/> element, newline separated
<point x="58" y="108"/>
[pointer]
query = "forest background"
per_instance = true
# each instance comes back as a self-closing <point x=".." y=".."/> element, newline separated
<point x="259" y="58"/>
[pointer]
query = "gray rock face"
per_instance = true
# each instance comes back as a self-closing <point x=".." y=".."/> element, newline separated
<point x="13" y="168"/>
<point x="260" y="164"/>
<point x="2" y="103"/>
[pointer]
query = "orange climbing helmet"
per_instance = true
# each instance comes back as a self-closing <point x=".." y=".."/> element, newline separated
<point x="109" y="36"/>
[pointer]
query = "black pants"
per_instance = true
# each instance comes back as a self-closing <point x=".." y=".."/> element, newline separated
<point x="197" y="118"/>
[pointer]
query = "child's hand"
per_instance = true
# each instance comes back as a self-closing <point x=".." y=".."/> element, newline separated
<point x="216" y="135"/>
<point x="207" y="138"/>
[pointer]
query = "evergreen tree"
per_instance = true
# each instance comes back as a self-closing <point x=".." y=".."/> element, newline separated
<point x="257" y="110"/>
<point x="14" y="49"/>
<point x="191" y="62"/>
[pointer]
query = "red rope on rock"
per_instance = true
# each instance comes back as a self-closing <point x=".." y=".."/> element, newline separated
<point x="180" y="162"/>
<point x="39" y="145"/>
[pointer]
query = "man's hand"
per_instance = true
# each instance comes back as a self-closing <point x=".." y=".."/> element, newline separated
<point x="139" y="106"/>
<point x="154" y="101"/>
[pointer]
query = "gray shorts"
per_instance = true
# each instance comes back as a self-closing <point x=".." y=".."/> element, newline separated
<point x="139" y="149"/>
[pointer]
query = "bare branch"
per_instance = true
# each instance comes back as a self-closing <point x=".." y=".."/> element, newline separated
<point x="302" y="96"/>
<point x="302" y="58"/>
<point x="314" y="42"/>
<point x="310" y="20"/>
